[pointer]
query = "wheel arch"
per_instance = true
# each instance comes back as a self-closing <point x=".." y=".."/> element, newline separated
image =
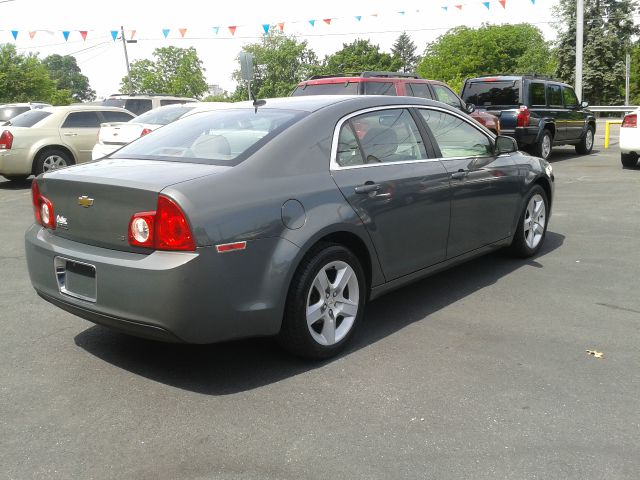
<point x="46" y="148"/>
<point x="546" y="186"/>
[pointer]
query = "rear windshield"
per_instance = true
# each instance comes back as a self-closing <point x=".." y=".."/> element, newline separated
<point x="134" y="105"/>
<point x="7" y="113"/>
<point x="222" y="137"/>
<point x="162" y="116"/>
<point x="29" y="119"/>
<point x="489" y="93"/>
<point x="342" y="88"/>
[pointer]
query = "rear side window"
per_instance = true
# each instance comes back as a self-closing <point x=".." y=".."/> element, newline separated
<point x="29" y="119"/>
<point x="492" y="93"/>
<point x="7" y="113"/>
<point x="110" y="116"/>
<point x="418" y="90"/>
<point x="445" y="95"/>
<point x="569" y="96"/>
<point x="82" y="120"/>
<point x="536" y="91"/>
<point x="138" y="105"/>
<point x="343" y="88"/>
<point x="554" y="95"/>
<point x="379" y="88"/>
<point x="221" y="137"/>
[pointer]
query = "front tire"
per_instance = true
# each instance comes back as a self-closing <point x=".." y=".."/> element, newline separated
<point x="543" y="148"/>
<point x="629" y="160"/>
<point x="586" y="142"/>
<point x="16" y="178"/>
<point x="326" y="300"/>
<point x="532" y="226"/>
<point x="51" y="160"/>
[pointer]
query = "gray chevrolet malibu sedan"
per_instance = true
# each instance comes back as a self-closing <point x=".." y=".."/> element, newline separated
<point x="281" y="218"/>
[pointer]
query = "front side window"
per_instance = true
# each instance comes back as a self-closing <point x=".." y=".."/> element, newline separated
<point x="554" y="94"/>
<point x="82" y="120"/>
<point x="379" y="88"/>
<point x="538" y="98"/>
<point x="456" y="137"/>
<point x="569" y="96"/>
<point x="444" y="95"/>
<point x="383" y="136"/>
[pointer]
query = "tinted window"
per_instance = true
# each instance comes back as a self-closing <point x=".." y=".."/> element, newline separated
<point x="222" y="137"/>
<point x="349" y="153"/>
<point x="418" y="90"/>
<point x="162" y="116"/>
<point x="388" y="136"/>
<point x="82" y="120"/>
<point x="7" y="113"/>
<point x="171" y="102"/>
<point x="554" y="94"/>
<point x="343" y="88"/>
<point x="110" y="116"/>
<point x="485" y="93"/>
<point x="445" y="95"/>
<point x="138" y="106"/>
<point x="29" y="119"/>
<point x="455" y="137"/>
<point x="536" y="91"/>
<point x="570" y="99"/>
<point x="379" y="88"/>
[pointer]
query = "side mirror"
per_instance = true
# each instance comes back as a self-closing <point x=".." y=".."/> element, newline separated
<point x="505" y="144"/>
<point x="584" y="104"/>
<point x="470" y="108"/>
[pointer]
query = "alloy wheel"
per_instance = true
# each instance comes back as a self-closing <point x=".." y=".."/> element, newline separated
<point x="546" y="146"/>
<point x="535" y="220"/>
<point x="52" y="162"/>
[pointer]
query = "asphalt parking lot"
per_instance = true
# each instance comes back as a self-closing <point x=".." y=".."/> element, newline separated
<point x="480" y="372"/>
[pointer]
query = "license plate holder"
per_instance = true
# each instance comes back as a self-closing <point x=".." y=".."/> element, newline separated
<point x="76" y="279"/>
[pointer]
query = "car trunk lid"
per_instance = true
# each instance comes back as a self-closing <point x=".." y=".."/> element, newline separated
<point x="93" y="203"/>
<point x="121" y="133"/>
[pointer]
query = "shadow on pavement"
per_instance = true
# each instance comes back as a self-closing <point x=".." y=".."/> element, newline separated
<point x="15" y="184"/>
<point x="227" y="368"/>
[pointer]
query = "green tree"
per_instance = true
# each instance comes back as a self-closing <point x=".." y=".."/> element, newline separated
<point x="23" y="78"/>
<point x="280" y="63"/>
<point x="404" y="50"/>
<point x="634" y="81"/>
<point x="359" y="56"/>
<point x="174" y="71"/>
<point x="465" y="52"/>
<point x="608" y="28"/>
<point x="66" y="72"/>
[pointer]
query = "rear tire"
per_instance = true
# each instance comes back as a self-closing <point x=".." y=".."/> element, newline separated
<point x="544" y="146"/>
<point x="629" y="160"/>
<point x="586" y="142"/>
<point x="16" y="178"/>
<point x="51" y="160"/>
<point x="532" y="226"/>
<point x="325" y="302"/>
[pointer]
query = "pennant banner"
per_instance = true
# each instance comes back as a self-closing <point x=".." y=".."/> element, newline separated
<point x="182" y="31"/>
<point x="114" y="35"/>
<point x="165" y="32"/>
<point x="83" y="34"/>
<point x="65" y="34"/>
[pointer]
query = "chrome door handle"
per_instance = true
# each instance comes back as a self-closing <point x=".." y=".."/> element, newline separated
<point x="460" y="174"/>
<point x="367" y="188"/>
<point x="67" y="134"/>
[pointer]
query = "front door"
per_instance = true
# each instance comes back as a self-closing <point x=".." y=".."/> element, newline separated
<point x="575" y="115"/>
<point x="383" y="169"/>
<point x="484" y="187"/>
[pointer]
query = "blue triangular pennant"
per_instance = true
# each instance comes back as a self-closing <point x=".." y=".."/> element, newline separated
<point x="114" y="34"/>
<point x="401" y="13"/>
<point x="165" y="32"/>
<point x="358" y="17"/>
<point x="487" y="4"/>
<point x="312" y="22"/>
<point x="445" y="8"/>
<point x="65" y="33"/>
<point x="265" y="27"/>
<point x="533" y="2"/>
<point x="216" y="30"/>
<point x="15" y="34"/>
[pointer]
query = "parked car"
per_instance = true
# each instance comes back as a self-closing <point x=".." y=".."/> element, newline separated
<point x="629" y="140"/>
<point x="139" y="104"/>
<point x="393" y="83"/>
<point x="12" y="110"/>
<point x="537" y="111"/>
<point x="41" y="140"/>
<point x="114" y="135"/>
<point x="275" y="218"/>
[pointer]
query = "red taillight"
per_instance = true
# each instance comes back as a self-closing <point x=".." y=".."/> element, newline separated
<point x="145" y="131"/>
<point x="630" y="121"/>
<point x="6" y="140"/>
<point x="164" y="229"/>
<point x="523" y="117"/>
<point x="42" y="208"/>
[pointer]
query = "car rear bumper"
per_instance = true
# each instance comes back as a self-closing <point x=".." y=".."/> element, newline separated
<point x="14" y="162"/>
<point x="194" y="297"/>
<point x="525" y="136"/>
<point x="630" y="140"/>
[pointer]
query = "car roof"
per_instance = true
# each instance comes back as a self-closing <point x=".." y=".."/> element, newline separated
<point x="493" y="78"/>
<point x="83" y="108"/>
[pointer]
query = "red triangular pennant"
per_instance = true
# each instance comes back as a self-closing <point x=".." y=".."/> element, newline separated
<point x="31" y="35"/>
<point x="133" y="34"/>
<point x="83" y="34"/>
<point x="233" y="30"/>
<point x="327" y="21"/>
<point x="503" y="3"/>
<point x="182" y="31"/>
<point x="281" y="26"/>
<point x="459" y="7"/>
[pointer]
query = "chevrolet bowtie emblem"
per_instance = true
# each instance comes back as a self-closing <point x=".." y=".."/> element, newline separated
<point x="85" y="201"/>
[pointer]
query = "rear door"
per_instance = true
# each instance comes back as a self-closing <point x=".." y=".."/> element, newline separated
<point x="484" y="187"/>
<point x="80" y="131"/>
<point x="557" y="111"/>
<point x="383" y="168"/>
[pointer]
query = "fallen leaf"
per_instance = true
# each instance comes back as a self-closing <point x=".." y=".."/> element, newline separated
<point x="595" y="353"/>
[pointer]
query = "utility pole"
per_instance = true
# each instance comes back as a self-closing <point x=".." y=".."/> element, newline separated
<point x="124" y="45"/>
<point x="579" y="44"/>
<point x="627" y="74"/>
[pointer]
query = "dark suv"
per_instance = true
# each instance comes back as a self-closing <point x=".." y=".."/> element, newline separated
<point x="537" y="111"/>
<point x="392" y="83"/>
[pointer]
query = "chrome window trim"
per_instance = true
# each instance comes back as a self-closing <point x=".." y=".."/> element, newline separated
<point x="334" y="166"/>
